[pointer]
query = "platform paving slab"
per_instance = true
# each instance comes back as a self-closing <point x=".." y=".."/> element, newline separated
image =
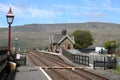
<point x="31" y="73"/>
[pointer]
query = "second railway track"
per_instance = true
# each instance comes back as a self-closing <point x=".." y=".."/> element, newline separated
<point x="42" y="59"/>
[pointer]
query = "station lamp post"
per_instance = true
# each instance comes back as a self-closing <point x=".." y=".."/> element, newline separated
<point x="10" y="18"/>
<point x="16" y="41"/>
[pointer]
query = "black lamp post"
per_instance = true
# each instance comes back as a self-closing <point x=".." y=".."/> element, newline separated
<point x="10" y="18"/>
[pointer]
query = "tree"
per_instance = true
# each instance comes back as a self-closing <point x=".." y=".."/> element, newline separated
<point x="83" y="39"/>
<point x="111" y="46"/>
<point x="107" y="44"/>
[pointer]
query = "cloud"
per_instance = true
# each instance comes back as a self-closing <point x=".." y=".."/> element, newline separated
<point x="36" y="12"/>
<point x="97" y="14"/>
<point x="3" y="8"/>
<point x="107" y="3"/>
<point x="113" y="9"/>
<point x="89" y="14"/>
<point x="2" y="26"/>
<point x="67" y="7"/>
<point x="31" y="11"/>
<point x="108" y="6"/>
<point x="64" y="9"/>
<point x="89" y="2"/>
<point x="99" y="5"/>
<point x="89" y="8"/>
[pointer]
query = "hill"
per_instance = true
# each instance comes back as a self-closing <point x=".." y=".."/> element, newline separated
<point x="37" y="35"/>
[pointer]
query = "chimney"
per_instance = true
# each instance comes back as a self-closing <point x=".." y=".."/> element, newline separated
<point x="64" y="32"/>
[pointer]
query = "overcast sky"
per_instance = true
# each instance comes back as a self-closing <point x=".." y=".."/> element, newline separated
<point x="60" y="11"/>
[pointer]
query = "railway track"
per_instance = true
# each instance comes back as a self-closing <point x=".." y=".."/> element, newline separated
<point x="58" y="73"/>
<point x="92" y="76"/>
<point x="40" y="59"/>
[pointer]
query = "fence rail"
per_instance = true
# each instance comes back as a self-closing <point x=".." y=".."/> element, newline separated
<point x="3" y="57"/>
<point x="111" y="63"/>
<point x="79" y="59"/>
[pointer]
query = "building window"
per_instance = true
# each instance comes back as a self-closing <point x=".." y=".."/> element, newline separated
<point x="68" y="47"/>
<point x="63" y="46"/>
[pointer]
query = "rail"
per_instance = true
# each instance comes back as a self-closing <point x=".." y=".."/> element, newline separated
<point x="57" y="70"/>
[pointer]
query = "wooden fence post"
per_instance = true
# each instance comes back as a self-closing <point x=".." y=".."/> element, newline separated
<point x="94" y="64"/>
<point x="104" y="64"/>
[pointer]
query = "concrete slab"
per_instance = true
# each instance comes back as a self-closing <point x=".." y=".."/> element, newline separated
<point x="62" y="57"/>
<point x="31" y="73"/>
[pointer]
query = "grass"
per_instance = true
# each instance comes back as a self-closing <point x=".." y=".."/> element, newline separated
<point x="117" y="70"/>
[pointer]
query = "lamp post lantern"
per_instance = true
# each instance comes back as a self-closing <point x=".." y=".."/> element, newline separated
<point x="10" y="18"/>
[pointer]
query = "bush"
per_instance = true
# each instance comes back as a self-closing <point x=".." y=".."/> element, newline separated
<point x="117" y="70"/>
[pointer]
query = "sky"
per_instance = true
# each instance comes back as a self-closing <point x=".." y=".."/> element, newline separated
<point x="60" y="11"/>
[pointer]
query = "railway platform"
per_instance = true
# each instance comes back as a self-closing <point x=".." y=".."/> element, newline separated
<point x="31" y="73"/>
<point x="26" y="73"/>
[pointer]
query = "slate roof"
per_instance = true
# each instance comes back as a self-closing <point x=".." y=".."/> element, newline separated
<point x="57" y="38"/>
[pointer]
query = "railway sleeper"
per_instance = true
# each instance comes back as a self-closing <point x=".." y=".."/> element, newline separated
<point x="55" y="67"/>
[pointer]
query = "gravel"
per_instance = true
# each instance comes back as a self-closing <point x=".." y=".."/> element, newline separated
<point x="108" y="73"/>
